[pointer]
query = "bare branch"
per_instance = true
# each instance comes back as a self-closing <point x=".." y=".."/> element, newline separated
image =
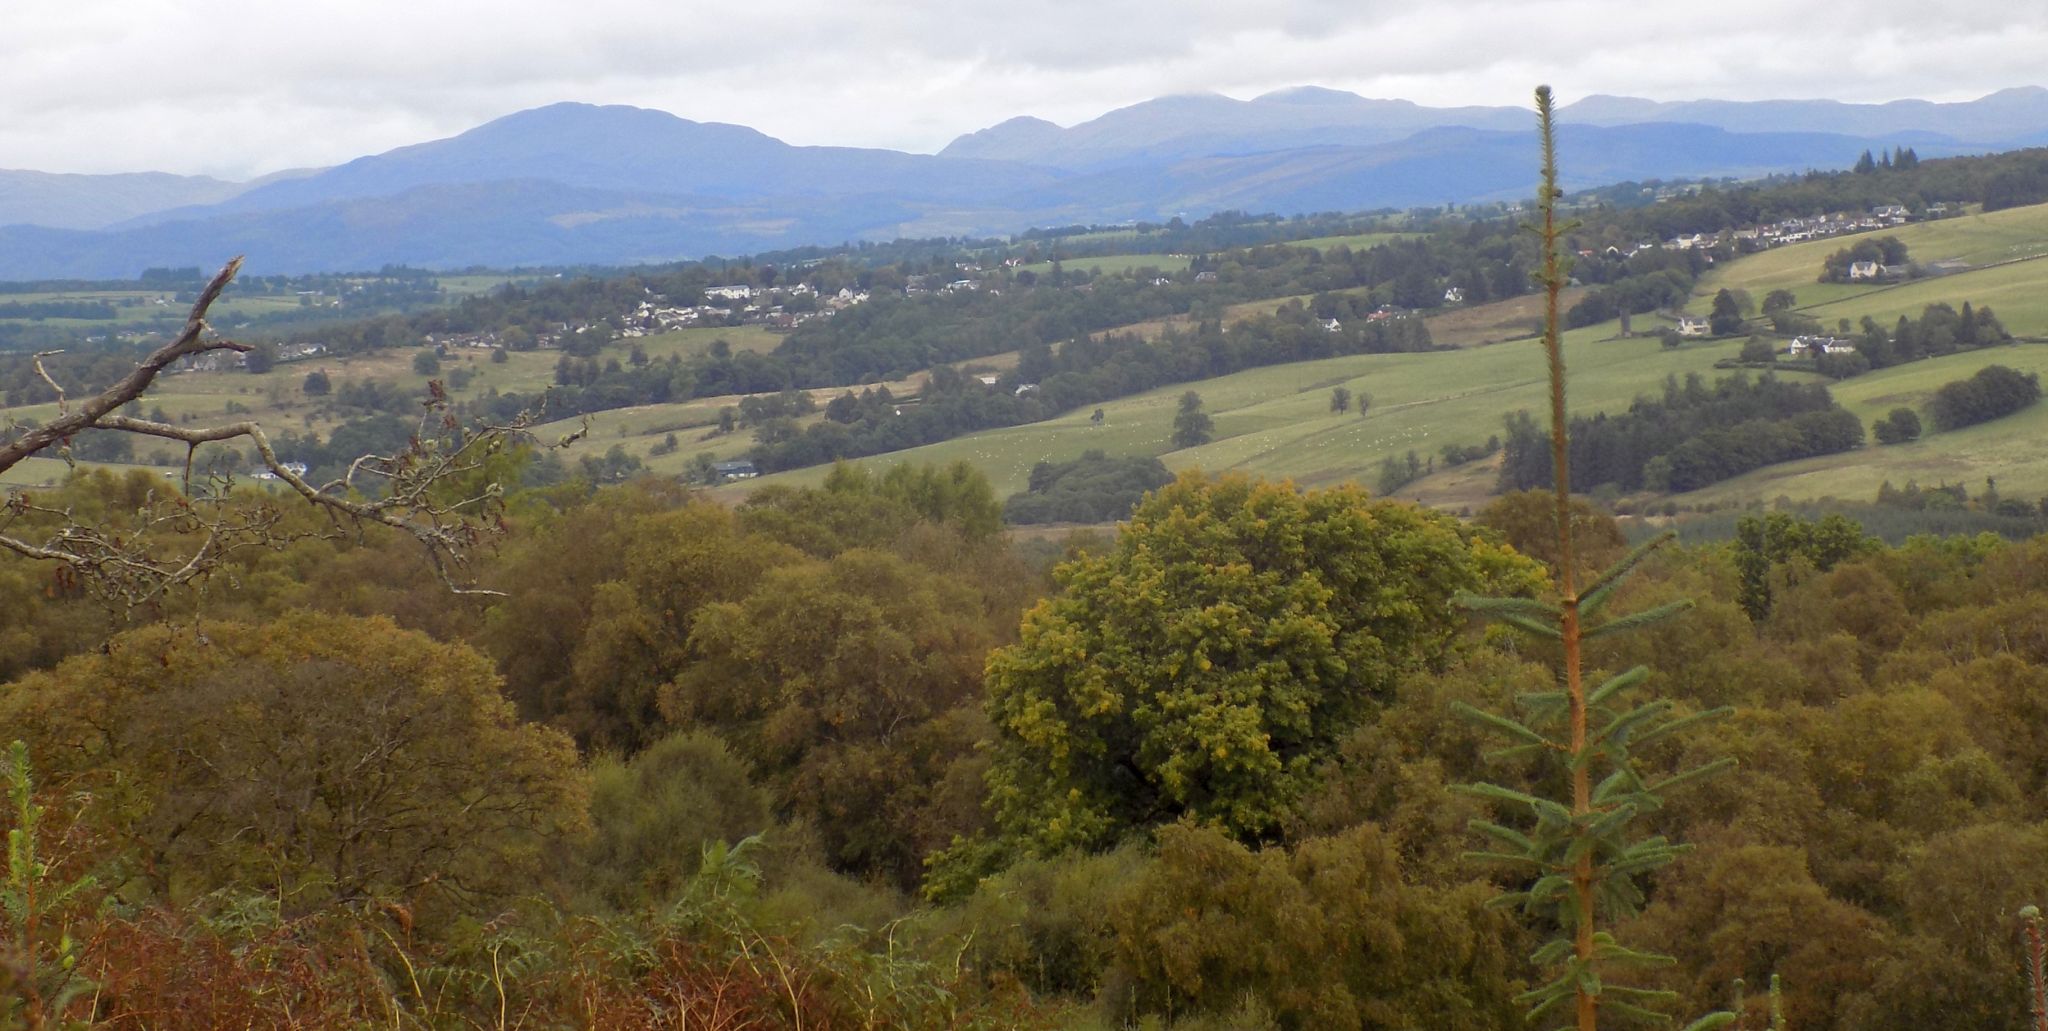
<point x="189" y="341"/>
<point x="176" y="539"/>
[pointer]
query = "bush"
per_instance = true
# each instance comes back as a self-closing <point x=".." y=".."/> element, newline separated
<point x="1901" y="426"/>
<point x="1994" y="391"/>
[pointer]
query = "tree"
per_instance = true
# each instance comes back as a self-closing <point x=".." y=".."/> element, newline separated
<point x="1340" y="400"/>
<point x="1192" y="427"/>
<point x="1900" y="426"/>
<point x="1726" y="317"/>
<point x="426" y="363"/>
<point x="1758" y="349"/>
<point x="319" y="760"/>
<point x="1778" y="301"/>
<point x="261" y="358"/>
<point x="1578" y="863"/>
<point x="317" y="384"/>
<point x="1206" y="665"/>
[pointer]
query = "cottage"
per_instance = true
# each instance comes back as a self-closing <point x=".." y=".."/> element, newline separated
<point x="726" y="472"/>
<point x="1332" y="325"/>
<point x="1205" y="277"/>
<point x="1693" y="326"/>
<point x="1865" y="270"/>
<point x="729" y="293"/>
<point x="1454" y="295"/>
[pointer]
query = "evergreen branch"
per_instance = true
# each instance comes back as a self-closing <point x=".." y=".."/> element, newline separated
<point x="1486" y="605"/>
<point x="1530" y="626"/>
<point x="1500" y="723"/>
<point x="1717" y="713"/>
<point x="1618" y="682"/>
<point x="1507" y="834"/>
<point x="1601" y="589"/>
<point x="1726" y="762"/>
<point x="1711" y="1021"/>
<point x="1647" y="617"/>
<point x="1618" y="728"/>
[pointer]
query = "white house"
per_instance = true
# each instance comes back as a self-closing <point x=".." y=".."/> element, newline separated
<point x="1865" y="270"/>
<point x="729" y="293"/>
<point x="1693" y="326"/>
<point x="1332" y="325"/>
<point x="1454" y="295"/>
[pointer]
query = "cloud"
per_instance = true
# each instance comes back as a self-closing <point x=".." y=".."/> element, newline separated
<point x="237" y="87"/>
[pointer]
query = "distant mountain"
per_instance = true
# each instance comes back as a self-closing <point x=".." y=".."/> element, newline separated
<point x="2002" y="117"/>
<point x="95" y="201"/>
<point x="1201" y="125"/>
<point x="576" y="183"/>
<point x="455" y="225"/>
<point x="1205" y="124"/>
<point x="1441" y="166"/>
<point x="635" y="150"/>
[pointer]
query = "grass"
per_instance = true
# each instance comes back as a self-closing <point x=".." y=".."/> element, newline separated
<point x="1276" y="421"/>
<point x="1356" y="241"/>
<point x="2011" y="290"/>
<point x="1112" y="263"/>
<point x="2008" y="449"/>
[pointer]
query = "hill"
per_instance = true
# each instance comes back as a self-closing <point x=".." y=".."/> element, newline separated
<point x="574" y="184"/>
<point x="1172" y="128"/>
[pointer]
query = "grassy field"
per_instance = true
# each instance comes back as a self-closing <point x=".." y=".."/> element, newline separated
<point x="1109" y="263"/>
<point x="142" y="308"/>
<point x="2019" y="293"/>
<point x="1276" y="421"/>
<point x="1356" y="241"/>
<point x="2010" y="449"/>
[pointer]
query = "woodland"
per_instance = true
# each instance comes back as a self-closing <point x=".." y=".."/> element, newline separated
<point x="427" y="742"/>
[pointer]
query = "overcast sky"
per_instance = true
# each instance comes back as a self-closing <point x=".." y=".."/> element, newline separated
<point x="241" y="87"/>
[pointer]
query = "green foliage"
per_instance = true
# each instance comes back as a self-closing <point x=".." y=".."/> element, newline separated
<point x="1763" y="543"/>
<point x="650" y="815"/>
<point x="40" y="904"/>
<point x="1192" y="427"/>
<point x="1994" y="391"/>
<point x="1899" y="426"/>
<point x="1328" y="934"/>
<point x="1093" y="488"/>
<point x="234" y="757"/>
<point x="1207" y="664"/>
<point x="1581" y="862"/>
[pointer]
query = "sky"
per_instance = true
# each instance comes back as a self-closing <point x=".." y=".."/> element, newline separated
<point x="235" y="88"/>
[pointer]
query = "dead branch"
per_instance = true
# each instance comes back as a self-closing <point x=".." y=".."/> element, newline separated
<point x="176" y="539"/>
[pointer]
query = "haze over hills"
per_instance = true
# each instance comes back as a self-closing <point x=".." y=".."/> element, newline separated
<point x="576" y="183"/>
<point x="1311" y="116"/>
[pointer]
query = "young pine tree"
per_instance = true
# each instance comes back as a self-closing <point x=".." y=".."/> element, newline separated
<point x="1579" y="862"/>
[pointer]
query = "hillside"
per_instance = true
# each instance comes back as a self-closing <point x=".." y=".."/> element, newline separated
<point x="1275" y="421"/>
<point x="2018" y="292"/>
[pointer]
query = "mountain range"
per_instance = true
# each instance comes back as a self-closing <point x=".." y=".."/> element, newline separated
<point x="576" y="183"/>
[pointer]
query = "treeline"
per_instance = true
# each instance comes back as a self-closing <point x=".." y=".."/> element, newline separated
<point x="1995" y="391"/>
<point x="1688" y="438"/>
<point x="1647" y="281"/>
<point x="57" y="310"/>
<point x="1083" y="371"/>
<point x="2011" y="179"/>
<point x="1940" y="330"/>
<point x="1883" y="250"/>
<point x="1094" y="488"/>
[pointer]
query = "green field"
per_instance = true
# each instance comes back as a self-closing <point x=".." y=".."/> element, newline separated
<point x="1356" y="241"/>
<point x="2018" y="293"/>
<point x="1111" y="263"/>
<point x="1276" y="421"/>
<point x="2010" y="449"/>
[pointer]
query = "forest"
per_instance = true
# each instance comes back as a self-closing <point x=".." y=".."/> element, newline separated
<point x="841" y="757"/>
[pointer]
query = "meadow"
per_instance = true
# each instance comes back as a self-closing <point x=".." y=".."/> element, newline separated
<point x="2017" y="292"/>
